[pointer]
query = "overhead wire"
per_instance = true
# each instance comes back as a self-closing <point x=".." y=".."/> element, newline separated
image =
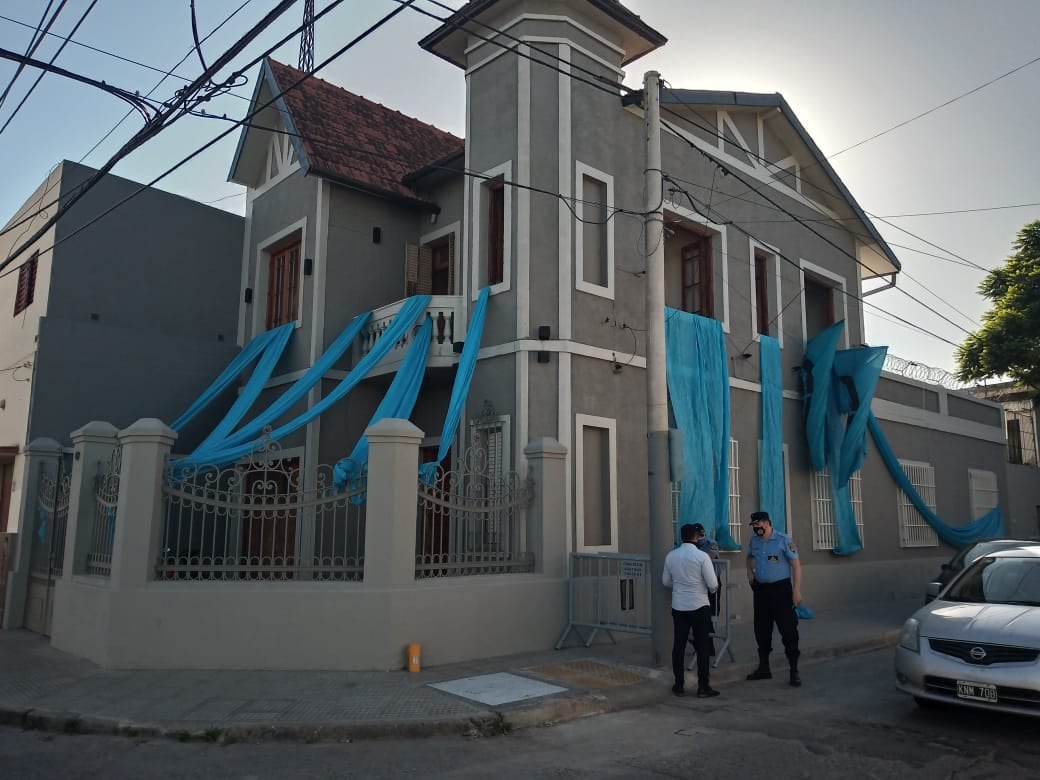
<point x="34" y="44"/>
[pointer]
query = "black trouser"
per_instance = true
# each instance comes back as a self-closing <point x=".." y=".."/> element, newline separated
<point x="774" y="603"/>
<point x="699" y="621"/>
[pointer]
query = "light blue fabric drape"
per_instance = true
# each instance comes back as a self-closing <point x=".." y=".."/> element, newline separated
<point x="771" y="490"/>
<point x="232" y="451"/>
<point x="252" y="389"/>
<point x="460" y="388"/>
<point x="990" y="524"/>
<point x="857" y="372"/>
<point x="260" y="344"/>
<point x="399" y="401"/>
<point x="698" y="386"/>
<point x="816" y="388"/>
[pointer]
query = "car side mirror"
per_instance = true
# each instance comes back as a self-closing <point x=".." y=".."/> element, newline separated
<point x="932" y="591"/>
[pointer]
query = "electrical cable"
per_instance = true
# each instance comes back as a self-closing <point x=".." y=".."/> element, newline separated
<point x="34" y="44"/>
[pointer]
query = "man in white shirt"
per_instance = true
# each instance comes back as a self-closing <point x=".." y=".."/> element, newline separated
<point x="691" y="576"/>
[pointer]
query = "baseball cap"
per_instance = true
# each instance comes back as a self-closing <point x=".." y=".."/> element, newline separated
<point x="698" y="528"/>
<point x="760" y="517"/>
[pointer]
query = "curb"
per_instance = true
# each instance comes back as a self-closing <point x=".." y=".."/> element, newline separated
<point x="566" y="707"/>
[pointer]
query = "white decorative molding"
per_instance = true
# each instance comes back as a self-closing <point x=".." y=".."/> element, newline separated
<point x="581" y="170"/>
<point x="778" y="303"/>
<point x="839" y="280"/>
<point x="479" y="221"/>
<point x="695" y="218"/>
<point x="582" y="421"/>
<point x="262" y="269"/>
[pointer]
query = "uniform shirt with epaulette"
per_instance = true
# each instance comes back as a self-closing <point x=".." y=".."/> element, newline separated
<point x="772" y="557"/>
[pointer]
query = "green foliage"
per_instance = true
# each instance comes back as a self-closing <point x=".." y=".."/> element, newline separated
<point x="1008" y="343"/>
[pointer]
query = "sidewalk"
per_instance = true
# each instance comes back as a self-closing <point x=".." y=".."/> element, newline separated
<point x="44" y="688"/>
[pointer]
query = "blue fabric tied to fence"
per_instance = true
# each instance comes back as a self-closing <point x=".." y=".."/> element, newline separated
<point x="771" y="491"/>
<point x="399" y="401"/>
<point x="234" y="448"/>
<point x="698" y="387"/>
<point x="989" y="525"/>
<point x="460" y="388"/>
<point x="271" y="342"/>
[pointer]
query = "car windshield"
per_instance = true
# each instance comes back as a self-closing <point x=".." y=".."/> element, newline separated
<point x="999" y="581"/>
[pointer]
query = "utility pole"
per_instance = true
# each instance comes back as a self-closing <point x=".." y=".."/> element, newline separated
<point x="307" y="37"/>
<point x="659" y="482"/>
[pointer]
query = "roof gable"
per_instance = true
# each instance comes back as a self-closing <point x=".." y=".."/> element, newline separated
<point x="355" y="141"/>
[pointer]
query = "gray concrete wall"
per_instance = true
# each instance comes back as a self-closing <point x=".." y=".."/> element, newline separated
<point x="1023" y="516"/>
<point x="159" y="263"/>
<point x="93" y="371"/>
<point x="985" y="412"/>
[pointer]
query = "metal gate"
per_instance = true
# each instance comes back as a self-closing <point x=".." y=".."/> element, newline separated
<point x="48" y="545"/>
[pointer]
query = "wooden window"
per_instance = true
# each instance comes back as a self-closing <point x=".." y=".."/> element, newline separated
<point x="430" y="269"/>
<point x="698" y="294"/>
<point x="819" y="306"/>
<point x="283" y="286"/>
<point x="762" y="292"/>
<point x="26" y="283"/>
<point x="496" y="231"/>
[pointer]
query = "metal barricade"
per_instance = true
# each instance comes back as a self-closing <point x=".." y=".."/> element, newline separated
<point x="611" y="592"/>
<point x="721" y="615"/>
<point x="607" y="592"/>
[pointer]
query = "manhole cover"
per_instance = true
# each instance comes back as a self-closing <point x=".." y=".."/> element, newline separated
<point x="589" y="674"/>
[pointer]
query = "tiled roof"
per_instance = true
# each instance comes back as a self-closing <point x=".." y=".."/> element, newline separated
<point x="353" y="140"/>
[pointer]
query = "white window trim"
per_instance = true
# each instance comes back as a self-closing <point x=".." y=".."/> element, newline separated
<point x="582" y="170"/>
<point x="903" y="503"/>
<point x="974" y="476"/>
<point x="505" y="170"/>
<point x="263" y="265"/>
<point x="840" y="281"/>
<point x="582" y="421"/>
<point x="735" y="518"/>
<point x="453" y="229"/>
<point x="779" y="320"/>
<point x="696" y="219"/>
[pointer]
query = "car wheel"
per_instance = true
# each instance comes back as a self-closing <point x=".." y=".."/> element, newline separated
<point x="927" y="704"/>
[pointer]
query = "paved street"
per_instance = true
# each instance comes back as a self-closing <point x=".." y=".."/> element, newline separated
<point x="847" y="722"/>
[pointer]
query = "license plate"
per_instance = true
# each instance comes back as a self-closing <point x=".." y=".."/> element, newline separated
<point x="977" y="691"/>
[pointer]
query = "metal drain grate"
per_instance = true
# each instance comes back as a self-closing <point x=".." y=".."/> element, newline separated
<point x="592" y="675"/>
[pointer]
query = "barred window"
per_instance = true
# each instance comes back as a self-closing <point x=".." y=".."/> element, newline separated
<point x="982" y="486"/>
<point x="735" y="520"/>
<point x="914" y="530"/>
<point x="822" y="508"/>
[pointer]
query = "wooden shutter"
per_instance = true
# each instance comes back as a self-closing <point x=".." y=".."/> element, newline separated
<point x="26" y="283"/>
<point x="411" y="270"/>
<point x="425" y="285"/>
<point x="451" y="264"/>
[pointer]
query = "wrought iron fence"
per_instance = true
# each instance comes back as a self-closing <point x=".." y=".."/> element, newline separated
<point x="47" y="557"/>
<point x="106" y="502"/>
<point x="263" y="520"/>
<point x="471" y="520"/>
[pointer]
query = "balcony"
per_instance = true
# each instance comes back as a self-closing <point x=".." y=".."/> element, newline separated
<point x="449" y="326"/>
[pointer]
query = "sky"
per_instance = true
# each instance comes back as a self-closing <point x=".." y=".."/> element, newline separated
<point x="849" y="69"/>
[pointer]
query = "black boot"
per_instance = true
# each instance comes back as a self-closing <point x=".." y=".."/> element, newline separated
<point x="762" y="672"/>
<point x="795" y="679"/>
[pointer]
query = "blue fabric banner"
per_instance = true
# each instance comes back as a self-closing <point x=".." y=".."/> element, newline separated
<point x="698" y="386"/>
<point x="460" y="388"/>
<point x="399" y="402"/>
<point x="989" y="525"/>
<point x="856" y="373"/>
<point x="772" y="494"/>
<point x="232" y="450"/>
<point x="259" y="345"/>
<point x="816" y="388"/>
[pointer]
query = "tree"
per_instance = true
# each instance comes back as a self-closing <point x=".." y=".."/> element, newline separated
<point x="1008" y="343"/>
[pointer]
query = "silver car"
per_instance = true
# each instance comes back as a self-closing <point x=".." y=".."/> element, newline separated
<point x="978" y="642"/>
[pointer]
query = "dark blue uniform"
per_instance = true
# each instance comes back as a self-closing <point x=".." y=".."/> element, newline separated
<point x="774" y="596"/>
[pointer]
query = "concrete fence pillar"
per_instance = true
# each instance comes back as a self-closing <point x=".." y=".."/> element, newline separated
<point x="146" y="446"/>
<point x="547" y="515"/>
<point x="39" y="454"/>
<point x="393" y="500"/>
<point x="92" y="447"/>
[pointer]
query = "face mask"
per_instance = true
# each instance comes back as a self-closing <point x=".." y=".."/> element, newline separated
<point x="759" y="531"/>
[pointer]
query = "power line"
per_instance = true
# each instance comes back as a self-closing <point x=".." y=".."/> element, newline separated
<point x="34" y="44"/>
<point x="52" y="60"/>
<point x="219" y="63"/>
<point x="932" y="110"/>
<point x="172" y="111"/>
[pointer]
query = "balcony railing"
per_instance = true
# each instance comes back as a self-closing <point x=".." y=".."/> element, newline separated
<point x="449" y="327"/>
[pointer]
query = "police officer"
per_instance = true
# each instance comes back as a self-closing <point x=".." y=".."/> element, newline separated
<point x="775" y="575"/>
